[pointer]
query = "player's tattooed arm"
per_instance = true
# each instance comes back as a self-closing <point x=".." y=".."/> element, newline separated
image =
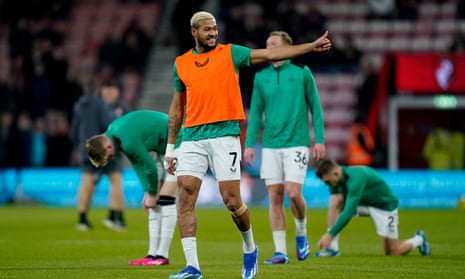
<point x="176" y="116"/>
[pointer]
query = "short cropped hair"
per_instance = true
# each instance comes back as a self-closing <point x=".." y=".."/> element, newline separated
<point x="325" y="166"/>
<point x="110" y="83"/>
<point x="96" y="151"/>
<point x="198" y="16"/>
<point x="284" y="36"/>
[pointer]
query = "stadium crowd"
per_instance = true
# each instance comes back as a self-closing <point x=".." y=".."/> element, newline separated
<point x="39" y="85"/>
<point x="39" y="82"/>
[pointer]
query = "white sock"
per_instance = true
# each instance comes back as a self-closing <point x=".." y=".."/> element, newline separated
<point x="248" y="244"/>
<point x="189" y="245"/>
<point x="155" y="219"/>
<point x="335" y="243"/>
<point x="416" y="241"/>
<point x="279" y="239"/>
<point x="300" y="227"/>
<point x="168" y="225"/>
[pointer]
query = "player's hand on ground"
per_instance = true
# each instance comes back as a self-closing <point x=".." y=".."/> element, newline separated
<point x="319" y="151"/>
<point x="325" y="241"/>
<point x="249" y="156"/>
<point x="323" y="43"/>
<point x="170" y="165"/>
<point x="149" y="201"/>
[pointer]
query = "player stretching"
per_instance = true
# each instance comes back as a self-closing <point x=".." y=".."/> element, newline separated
<point x="363" y="190"/>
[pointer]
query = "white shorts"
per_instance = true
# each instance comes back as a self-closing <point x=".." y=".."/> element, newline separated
<point x="284" y="164"/>
<point x="221" y="155"/>
<point x="386" y="222"/>
<point x="170" y="178"/>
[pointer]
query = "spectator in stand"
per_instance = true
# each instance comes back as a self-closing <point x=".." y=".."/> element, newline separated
<point x="49" y="31"/>
<point x="437" y="147"/>
<point x="23" y="140"/>
<point x="111" y="95"/>
<point x="349" y="56"/>
<point x="135" y="47"/>
<point x="108" y="53"/>
<point x="8" y="93"/>
<point x="361" y="144"/>
<point x="59" y="144"/>
<point x="7" y="153"/>
<point x="65" y="91"/>
<point x="45" y="72"/>
<point x="39" y="90"/>
<point x="39" y="146"/>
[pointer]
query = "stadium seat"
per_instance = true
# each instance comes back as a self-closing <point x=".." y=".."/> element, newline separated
<point x="402" y="28"/>
<point x="442" y="43"/>
<point x="446" y="27"/>
<point x="421" y="43"/>
<point x="428" y="11"/>
<point x="399" y="43"/>
<point x="380" y="28"/>
<point x="447" y="11"/>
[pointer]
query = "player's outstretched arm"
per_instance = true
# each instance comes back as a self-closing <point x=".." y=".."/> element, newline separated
<point x="323" y="43"/>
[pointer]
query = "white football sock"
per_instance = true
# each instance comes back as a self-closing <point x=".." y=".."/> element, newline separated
<point x="155" y="219"/>
<point x="279" y="240"/>
<point x="415" y="241"/>
<point x="300" y="227"/>
<point x="189" y="245"/>
<point x="335" y="243"/>
<point x="248" y="243"/>
<point x="168" y="225"/>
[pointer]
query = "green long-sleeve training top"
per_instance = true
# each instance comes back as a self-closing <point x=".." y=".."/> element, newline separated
<point x="285" y="94"/>
<point x="361" y="185"/>
<point x="136" y="134"/>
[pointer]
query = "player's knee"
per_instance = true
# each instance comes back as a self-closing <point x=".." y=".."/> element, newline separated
<point x="276" y="200"/>
<point x="294" y="197"/>
<point x="239" y="211"/>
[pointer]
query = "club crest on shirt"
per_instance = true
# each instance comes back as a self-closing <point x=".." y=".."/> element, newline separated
<point x="202" y="64"/>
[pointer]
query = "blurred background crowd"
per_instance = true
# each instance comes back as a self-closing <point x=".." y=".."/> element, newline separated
<point x="53" y="51"/>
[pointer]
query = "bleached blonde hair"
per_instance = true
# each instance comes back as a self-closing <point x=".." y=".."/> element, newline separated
<point x="198" y="16"/>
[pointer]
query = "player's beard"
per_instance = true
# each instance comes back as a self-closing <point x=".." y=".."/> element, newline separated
<point x="204" y="44"/>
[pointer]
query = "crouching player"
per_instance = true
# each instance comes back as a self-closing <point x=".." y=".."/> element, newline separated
<point x="361" y="189"/>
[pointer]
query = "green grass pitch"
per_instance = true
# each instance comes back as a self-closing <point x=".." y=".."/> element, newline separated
<point x="41" y="242"/>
